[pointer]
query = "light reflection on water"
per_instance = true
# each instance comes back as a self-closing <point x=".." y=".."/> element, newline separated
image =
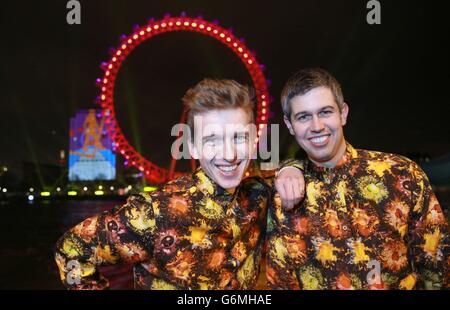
<point x="28" y="233"/>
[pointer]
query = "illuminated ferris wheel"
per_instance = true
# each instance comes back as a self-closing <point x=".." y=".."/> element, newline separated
<point x="152" y="172"/>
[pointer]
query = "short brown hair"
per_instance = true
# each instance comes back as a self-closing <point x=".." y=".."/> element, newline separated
<point x="305" y="80"/>
<point x="211" y="94"/>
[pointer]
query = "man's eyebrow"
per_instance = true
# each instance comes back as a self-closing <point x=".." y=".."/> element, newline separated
<point x="209" y="137"/>
<point x="327" y="107"/>
<point x="241" y="133"/>
<point x="301" y="113"/>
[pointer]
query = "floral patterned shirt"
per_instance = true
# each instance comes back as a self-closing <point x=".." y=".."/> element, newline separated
<point x="190" y="234"/>
<point x="372" y="222"/>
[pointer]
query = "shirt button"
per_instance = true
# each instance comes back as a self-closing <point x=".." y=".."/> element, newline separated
<point x="345" y="227"/>
<point x="167" y="241"/>
<point x="344" y="177"/>
<point x="232" y="263"/>
<point x="112" y="226"/>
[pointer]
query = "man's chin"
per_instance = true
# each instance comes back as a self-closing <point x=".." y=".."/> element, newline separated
<point x="229" y="184"/>
<point x="320" y="160"/>
<point x="317" y="155"/>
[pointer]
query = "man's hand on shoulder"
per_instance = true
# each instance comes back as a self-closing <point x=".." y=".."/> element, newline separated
<point x="290" y="184"/>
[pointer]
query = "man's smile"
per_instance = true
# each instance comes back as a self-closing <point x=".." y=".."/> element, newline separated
<point x="228" y="170"/>
<point x="319" y="140"/>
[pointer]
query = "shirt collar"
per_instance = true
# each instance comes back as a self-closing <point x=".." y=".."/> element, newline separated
<point x="343" y="165"/>
<point x="210" y="188"/>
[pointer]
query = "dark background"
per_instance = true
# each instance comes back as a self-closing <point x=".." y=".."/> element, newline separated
<point x="394" y="75"/>
<point x="395" y="78"/>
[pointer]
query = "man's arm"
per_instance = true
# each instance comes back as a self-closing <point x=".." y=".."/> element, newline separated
<point x="429" y="236"/>
<point x="122" y="235"/>
<point x="282" y="250"/>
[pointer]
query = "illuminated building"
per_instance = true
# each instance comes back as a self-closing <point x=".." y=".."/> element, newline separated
<point x="91" y="155"/>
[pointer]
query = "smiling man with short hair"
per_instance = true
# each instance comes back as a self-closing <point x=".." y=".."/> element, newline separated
<point x="370" y="220"/>
<point x="201" y="231"/>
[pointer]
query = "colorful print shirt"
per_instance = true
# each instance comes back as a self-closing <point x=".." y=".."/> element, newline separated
<point x="372" y="222"/>
<point x="190" y="234"/>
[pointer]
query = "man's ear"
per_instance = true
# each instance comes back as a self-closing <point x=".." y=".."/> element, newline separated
<point x="344" y="113"/>
<point x="288" y="124"/>
<point x="193" y="150"/>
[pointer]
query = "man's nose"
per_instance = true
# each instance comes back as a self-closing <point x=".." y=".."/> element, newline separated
<point x="230" y="151"/>
<point x="317" y="124"/>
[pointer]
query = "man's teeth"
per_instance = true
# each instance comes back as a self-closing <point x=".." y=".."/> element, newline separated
<point x="319" y="139"/>
<point x="227" y="168"/>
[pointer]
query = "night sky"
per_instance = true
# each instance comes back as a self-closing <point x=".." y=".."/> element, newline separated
<point x="395" y="76"/>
